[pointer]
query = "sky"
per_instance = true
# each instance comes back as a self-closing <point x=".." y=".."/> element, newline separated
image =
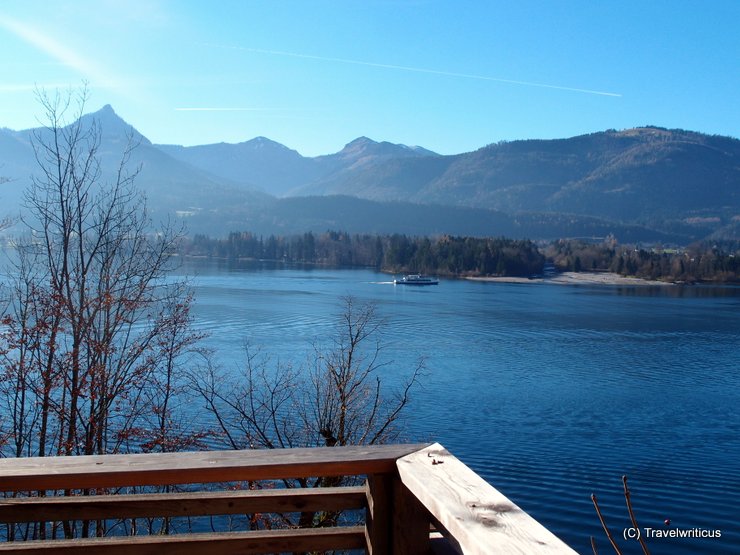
<point x="451" y="76"/>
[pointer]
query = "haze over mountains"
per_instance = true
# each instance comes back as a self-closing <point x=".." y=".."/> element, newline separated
<point x="644" y="184"/>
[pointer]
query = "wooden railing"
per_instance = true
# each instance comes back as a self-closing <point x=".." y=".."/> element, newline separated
<point x="409" y="490"/>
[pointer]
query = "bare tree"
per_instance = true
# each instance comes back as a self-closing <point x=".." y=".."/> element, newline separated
<point x="91" y="316"/>
<point x="94" y="335"/>
<point x="338" y="400"/>
<point x="165" y="424"/>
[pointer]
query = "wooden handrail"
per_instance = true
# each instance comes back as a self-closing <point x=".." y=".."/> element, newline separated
<point x="158" y="469"/>
<point x="152" y="505"/>
<point x="256" y="542"/>
<point x="408" y="487"/>
<point x="480" y="518"/>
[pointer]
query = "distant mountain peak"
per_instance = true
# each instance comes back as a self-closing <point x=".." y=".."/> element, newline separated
<point x="112" y="125"/>
<point x="363" y="147"/>
<point x="264" y="142"/>
<point x="107" y="115"/>
<point x="361" y="141"/>
<point x="358" y="147"/>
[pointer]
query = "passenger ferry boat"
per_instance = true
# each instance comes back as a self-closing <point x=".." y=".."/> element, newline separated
<point x="416" y="279"/>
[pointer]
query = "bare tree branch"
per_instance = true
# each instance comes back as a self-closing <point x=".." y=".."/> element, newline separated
<point x="605" y="527"/>
<point x="337" y="399"/>
<point x="96" y="334"/>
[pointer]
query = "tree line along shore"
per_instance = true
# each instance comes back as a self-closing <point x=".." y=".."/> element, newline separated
<point x="453" y="256"/>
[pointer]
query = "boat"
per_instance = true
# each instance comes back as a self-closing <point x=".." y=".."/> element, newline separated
<point x="416" y="279"/>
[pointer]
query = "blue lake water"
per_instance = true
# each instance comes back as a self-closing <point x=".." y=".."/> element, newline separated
<point x="550" y="392"/>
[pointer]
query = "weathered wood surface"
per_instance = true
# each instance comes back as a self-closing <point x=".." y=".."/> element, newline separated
<point x="95" y="507"/>
<point x="480" y="518"/>
<point x="410" y="523"/>
<point x="100" y="471"/>
<point x="433" y="486"/>
<point x="379" y="514"/>
<point x="263" y="541"/>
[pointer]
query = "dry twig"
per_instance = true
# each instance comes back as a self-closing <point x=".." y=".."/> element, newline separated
<point x="605" y="527"/>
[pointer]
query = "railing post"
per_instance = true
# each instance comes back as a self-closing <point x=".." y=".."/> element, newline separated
<point x="410" y="523"/>
<point x="379" y="513"/>
<point x="396" y="522"/>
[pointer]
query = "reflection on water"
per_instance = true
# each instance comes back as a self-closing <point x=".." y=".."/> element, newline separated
<point x="680" y="291"/>
<point x="551" y="392"/>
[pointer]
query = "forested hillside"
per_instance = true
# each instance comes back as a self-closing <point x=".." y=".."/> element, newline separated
<point x="444" y="256"/>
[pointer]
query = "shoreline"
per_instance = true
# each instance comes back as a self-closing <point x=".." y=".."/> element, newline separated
<point x="578" y="278"/>
<point x="563" y="278"/>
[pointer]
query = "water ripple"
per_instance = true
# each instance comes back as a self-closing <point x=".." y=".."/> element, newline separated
<point x="549" y="392"/>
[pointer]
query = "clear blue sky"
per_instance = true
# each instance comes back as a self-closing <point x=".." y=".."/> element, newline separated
<point x="451" y="76"/>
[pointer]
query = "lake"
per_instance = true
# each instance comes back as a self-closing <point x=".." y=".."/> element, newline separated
<point x="550" y="392"/>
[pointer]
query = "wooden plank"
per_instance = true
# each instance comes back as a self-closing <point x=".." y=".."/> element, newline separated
<point x="480" y="518"/>
<point x="51" y="473"/>
<point x="379" y="513"/>
<point x="410" y="523"/>
<point x="257" y="542"/>
<point x="94" y="507"/>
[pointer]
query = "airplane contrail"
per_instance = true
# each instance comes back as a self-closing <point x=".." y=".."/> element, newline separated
<point x="421" y="70"/>
<point x="207" y="109"/>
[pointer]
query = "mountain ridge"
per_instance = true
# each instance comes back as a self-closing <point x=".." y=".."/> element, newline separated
<point x="677" y="183"/>
<point x="280" y="170"/>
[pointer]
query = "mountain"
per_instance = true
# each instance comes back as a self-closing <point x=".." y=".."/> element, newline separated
<point x="363" y="151"/>
<point x="260" y="162"/>
<point x="296" y="215"/>
<point x="342" y="173"/>
<point x="639" y="175"/>
<point x="173" y="188"/>
<point x="114" y="130"/>
<point x="633" y="175"/>
<point x="281" y="171"/>
<point x="671" y="180"/>
<point x="642" y="184"/>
